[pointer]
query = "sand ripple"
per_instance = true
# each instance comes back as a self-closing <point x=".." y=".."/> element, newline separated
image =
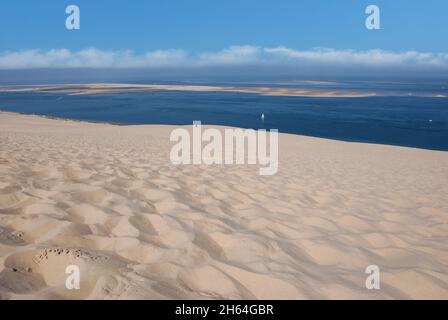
<point x="107" y="199"/>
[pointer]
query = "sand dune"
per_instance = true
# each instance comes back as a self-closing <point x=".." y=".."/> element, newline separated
<point x="107" y="198"/>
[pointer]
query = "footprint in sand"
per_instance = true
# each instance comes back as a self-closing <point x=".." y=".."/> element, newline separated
<point x="31" y="271"/>
<point x="11" y="237"/>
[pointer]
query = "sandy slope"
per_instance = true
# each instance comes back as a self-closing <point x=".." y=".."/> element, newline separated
<point x="106" y="198"/>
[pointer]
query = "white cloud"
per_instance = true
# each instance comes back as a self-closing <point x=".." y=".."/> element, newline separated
<point x="368" y="57"/>
<point x="234" y="55"/>
<point x="89" y="58"/>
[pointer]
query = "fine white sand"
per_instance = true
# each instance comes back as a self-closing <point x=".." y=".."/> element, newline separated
<point x="107" y="198"/>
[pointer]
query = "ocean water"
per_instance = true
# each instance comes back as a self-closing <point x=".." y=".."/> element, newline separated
<point x="418" y="121"/>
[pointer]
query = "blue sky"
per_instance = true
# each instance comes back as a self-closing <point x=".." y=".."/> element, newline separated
<point x="189" y="30"/>
<point x="199" y="25"/>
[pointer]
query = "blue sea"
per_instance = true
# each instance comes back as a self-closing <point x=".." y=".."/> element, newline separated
<point x="407" y="114"/>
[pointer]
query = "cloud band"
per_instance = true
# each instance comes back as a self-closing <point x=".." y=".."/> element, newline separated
<point x="232" y="56"/>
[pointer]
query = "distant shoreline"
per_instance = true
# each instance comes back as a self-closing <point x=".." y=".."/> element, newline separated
<point x="108" y="88"/>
